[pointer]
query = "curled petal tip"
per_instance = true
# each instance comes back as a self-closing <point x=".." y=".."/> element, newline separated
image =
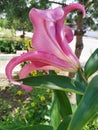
<point x="83" y="11"/>
<point x="25" y="87"/>
<point x="74" y="6"/>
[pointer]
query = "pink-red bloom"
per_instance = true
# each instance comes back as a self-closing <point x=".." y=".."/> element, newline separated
<point x="50" y="40"/>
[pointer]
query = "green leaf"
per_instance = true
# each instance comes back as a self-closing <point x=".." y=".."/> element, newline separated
<point x="39" y="127"/>
<point x="55" y="113"/>
<point x="55" y="82"/>
<point x="64" y="124"/>
<point x="64" y="104"/>
<point x="92" y="64"/>
<point x="81" y="81"/>
<point x="61" y="108"/>
<point x="87" y="108"/>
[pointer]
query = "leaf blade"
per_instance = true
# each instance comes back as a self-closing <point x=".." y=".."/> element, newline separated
<point x="55" y="117"/>
<point x="64" y="124"/>
<point x="91" y="65"/>
<point x="55" y="82"/>
<point x="88" y="106"/>
<point x="39" y="127"/>
<point x="64" y="103"/>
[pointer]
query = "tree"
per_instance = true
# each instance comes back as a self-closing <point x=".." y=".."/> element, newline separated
<point x="84" y="24"/>
<point x="79" y="32"/>
<point x="17" y="12"/>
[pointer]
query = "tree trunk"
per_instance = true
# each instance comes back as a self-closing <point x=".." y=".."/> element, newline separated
<point x="79" y="36"/>
<point x="79" y="33"/>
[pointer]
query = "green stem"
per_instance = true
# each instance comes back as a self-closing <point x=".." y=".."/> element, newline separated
<point x="81" y="76"/>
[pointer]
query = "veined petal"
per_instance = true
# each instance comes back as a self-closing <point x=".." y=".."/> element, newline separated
<point x="47" y="59"/>
<point x="44" y="38"/>
<point x="50" y="33"/>
<point x="61" y="31"/>
<point x="60" y="39"/>
<point x="41" y="57"/>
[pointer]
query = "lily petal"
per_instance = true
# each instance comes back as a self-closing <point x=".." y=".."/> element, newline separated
<point x="42" y="40"/>
<point x="33" y="56"/>
<point x="49" y="32"/>
<point x="74" y="6"/>
<point x="10" y="66"/>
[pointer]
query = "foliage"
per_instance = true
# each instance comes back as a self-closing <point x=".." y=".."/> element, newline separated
<point x="21" y="109"/>
<point x="17" y="12"/>
<point x="10" y="46"/>
<point x="3" y="23"/>
<point x="91" y="19"/>
<point x="87" y="101"/>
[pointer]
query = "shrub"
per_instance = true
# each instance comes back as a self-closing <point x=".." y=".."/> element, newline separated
<point x="10" y="46"/>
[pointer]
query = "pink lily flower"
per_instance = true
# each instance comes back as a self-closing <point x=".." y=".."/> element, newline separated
<point x="50" y="40"/>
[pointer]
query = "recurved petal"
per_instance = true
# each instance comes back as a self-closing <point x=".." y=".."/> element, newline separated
<point x="9" y="68"/>
<point x="74" y="6"/>
<point x="45" y="61"/>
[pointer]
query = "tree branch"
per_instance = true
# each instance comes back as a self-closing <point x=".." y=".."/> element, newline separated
<point x="54" y="2"/>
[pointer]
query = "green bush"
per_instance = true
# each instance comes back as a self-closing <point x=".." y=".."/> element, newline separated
<point x="19" y="108"/>
<point x="10" y="46"/>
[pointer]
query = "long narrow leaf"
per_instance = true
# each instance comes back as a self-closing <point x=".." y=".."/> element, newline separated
<point x="39" y="127"/>
<point x="61" y="108"/>
<point x="92" y="64"/>
<point x="64" y="104"/>
<point x="87" y="108"/>
<point x="54" y="82"/>
<point x="55" y="113"/>
<point x="64" y="124"/>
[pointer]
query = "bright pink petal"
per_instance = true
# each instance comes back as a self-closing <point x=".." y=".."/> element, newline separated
<point x="74" y="6"/>
<point x="10" y="66"/>
<point x="61" y="30"/>
<point x="25" y="87"/>
<point x="45" y="58"/>
<point x="59" y="38"/>
<point x="43" y="30"/>
<point x="50" y="33"/>
<point x="51" y="15"/>
<point x="26" y="70"/>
